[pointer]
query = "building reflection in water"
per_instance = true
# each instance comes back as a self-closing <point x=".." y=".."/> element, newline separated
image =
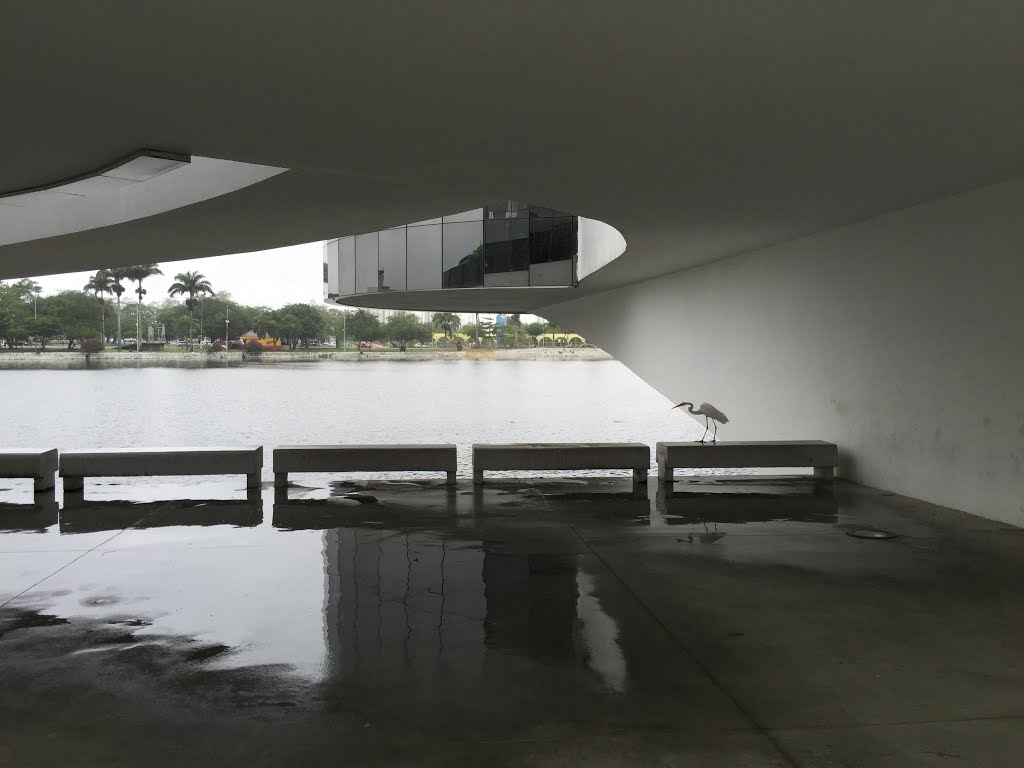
<point x="410" y="609"/>
<point x="600" y="635"/>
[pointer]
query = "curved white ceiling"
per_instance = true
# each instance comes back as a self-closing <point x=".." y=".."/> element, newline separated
<point x="49" y="213"/>
<point x="699" y="129"/>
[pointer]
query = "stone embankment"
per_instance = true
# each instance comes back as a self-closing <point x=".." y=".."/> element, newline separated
<point x="33" y="359"/>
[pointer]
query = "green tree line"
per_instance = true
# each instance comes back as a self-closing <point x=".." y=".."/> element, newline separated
<point x="193" y="309"/>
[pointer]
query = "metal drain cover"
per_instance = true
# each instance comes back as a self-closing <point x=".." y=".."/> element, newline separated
<point x="869" y="533"/>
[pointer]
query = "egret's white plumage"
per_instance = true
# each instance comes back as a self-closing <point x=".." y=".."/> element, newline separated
<point x="709" y="412"/>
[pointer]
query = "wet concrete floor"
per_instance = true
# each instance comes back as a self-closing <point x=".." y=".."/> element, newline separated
<point x="538" y="622"/>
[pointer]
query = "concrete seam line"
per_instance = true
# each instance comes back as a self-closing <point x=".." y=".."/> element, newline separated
<point x="760" y="728"/>
<point x="72" y="562"/>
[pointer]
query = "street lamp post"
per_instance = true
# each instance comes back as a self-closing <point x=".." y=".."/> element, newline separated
<point x="35" y="306"/>
<point x="138" y="317"/>
<point x="344" y="332"/>
<point x="227" y="334"/>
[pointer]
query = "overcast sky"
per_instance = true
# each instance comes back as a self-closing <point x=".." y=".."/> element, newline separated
<point x="267" y="278"/>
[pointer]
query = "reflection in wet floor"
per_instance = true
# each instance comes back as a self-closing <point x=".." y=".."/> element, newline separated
<point x="36" y="516"/>
<point x="399" y="613"/>
<point x="90" y="516"/>
<point x="746" y="508"/>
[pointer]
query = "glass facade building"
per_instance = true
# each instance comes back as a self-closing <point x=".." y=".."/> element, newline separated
<point x="507" y="244"/>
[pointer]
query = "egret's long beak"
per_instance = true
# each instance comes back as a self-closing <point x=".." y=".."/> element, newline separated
<point x="676" y="406"/>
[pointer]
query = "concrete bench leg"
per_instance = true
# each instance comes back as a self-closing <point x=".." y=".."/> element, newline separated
<point x="252" y="480"/>
<point x="478" y="477"/>
<point x="639" y="477"/>
<point x="824" y="473"/>
<point x="280" y="479"/>
<point x="74" y="483"/>
<point x="666" y="474"/>
<point x="451" y="477"/>
<point x="41" y="484"/>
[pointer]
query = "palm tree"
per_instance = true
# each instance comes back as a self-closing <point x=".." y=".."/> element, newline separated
<point x="193" y="284"/>
<point x="447" y="322"/>
<point x="137" y="274"/>
<point x="116" y="276"/>
<point x="99" y="284"/>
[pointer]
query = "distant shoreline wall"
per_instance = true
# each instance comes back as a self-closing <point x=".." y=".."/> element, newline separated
<point x="17" y="359"/>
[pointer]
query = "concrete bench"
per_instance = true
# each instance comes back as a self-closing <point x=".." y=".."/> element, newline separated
<point x="543" y="456"/>
<point x="39" y="464"/>
<point x="75" y="466"/>
<point x="440" y="457"/>
<point x="822" y="456"/>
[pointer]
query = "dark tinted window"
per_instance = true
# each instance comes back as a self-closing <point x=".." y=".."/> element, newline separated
<point x="496" y="246"/>
<point x="563" y="238"/>
<point x="462" y="255"/>
<point x="537" y="211"/>
<point x="540" y="241"/>
<point x="519" y="244"/>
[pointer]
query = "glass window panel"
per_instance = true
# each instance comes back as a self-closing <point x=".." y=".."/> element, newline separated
<point x="347" y="266"/>
<point x="563" y="238"/>
<point x="424" y="258"/>
<point x="496" y="231"/>
<point x="475" y="215"/>
<point x="366" y="263"/>
<point x="392" y="258"/>
<point x="506" y="209"/>
<point x="539" y="211"/>
<point x="519" y="244"/>
<point x="540" y="240"/>
<point x="331" y="267"/>
<point x="462" y="255"/>
<point x="496" y="246"/>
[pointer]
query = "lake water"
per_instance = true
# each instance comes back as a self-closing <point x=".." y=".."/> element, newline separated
<point x="364" y="626"/>
<point x="458" y="401"/>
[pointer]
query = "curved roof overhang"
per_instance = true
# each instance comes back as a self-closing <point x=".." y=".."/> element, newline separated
<point x="699" y="130"/>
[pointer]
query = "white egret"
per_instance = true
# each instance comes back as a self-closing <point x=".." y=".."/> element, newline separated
<point x="709" y="412"/>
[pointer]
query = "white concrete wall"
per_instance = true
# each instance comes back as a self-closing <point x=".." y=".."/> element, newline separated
<point x="597" y="244"/>
<point x="900" y="338"/>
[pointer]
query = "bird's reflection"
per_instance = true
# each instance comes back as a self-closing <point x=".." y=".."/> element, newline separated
<point x="710" y="535"/>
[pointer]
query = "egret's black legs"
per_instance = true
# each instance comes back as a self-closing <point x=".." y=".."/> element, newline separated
<point x="706" y="427"/>
<point x="714" y="438"/>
